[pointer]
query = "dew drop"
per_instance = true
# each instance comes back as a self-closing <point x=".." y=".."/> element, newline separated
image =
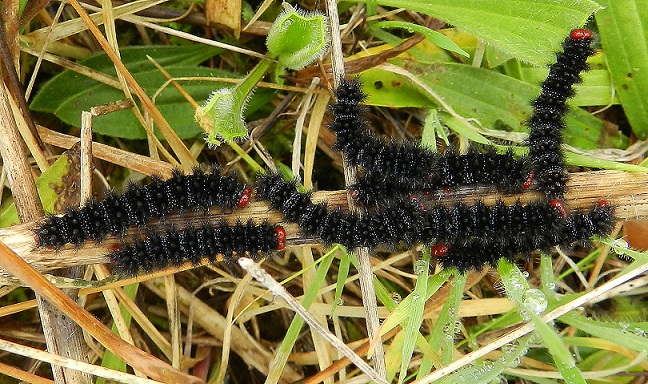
<point x="535" y="301"/>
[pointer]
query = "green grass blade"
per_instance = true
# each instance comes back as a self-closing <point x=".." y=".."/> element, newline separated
<point x="413" y="324"/>
<point x="343" y="273"/>
<point x="618" y="333"/>
<point x="517" y="288"/>
<point x="489" y="371"/>
<point x="282" y="353"/>
<point x="559" y="352"/>
<point x="442" y="336"/>
<point x="403" y="310"/>
<point x="623" y="26"/>
<point x="435" y="37"/>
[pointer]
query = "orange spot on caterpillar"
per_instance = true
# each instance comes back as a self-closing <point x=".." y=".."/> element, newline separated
<point x="280" y="232"/>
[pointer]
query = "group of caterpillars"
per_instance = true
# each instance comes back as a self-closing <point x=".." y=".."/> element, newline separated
<point x="462" y="236"/>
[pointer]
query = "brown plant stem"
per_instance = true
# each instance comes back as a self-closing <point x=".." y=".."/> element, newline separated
<point x="627" y="192"/>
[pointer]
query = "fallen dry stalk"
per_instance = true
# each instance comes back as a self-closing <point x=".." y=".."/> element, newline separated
<point x="628" y="192"/>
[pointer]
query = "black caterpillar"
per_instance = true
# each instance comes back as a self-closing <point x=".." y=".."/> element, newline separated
<point x="527" y="227"/>
<point x="547" y="121"/>
<point x="407" y="161"/>
<point x="363" y="148"/>
<point x="406" y="168"/>
<point x="407" y="164"/>
<point x="503" y="171"/>
<point x="475" y="252"/>
<point x="139" y="204"/>
<point x="191" y="244"/>
<point x="388" y="226"/>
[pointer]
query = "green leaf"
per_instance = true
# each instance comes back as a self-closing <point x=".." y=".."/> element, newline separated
<point x="69" y="93"/>
<point x="297" y="38"/>
<point x="387" y="89"/>
<point x="531" y="30"/>
<point x="593" y="162"/>
<point x="495" y="100"/>
<point x="68" y="83"/>
<point x="558" y="351"/>
<point x="343" y="273"/>
<point x="294" y="330"/>
<point x="405" y="307"/>
<point x="175" y="108"/>
<point x="432" y="129"/>
<point x="640" y="258"/>
<point x="489" y="372"/>
<point x="614" y="332"/>
<point x="413" y="323"/>
<point x="435" y="37"/>
<point x="48" y="184"/>
<point x="623" y="26"/>
<point x="517" y="289"/>
<point x="596" y="88"/>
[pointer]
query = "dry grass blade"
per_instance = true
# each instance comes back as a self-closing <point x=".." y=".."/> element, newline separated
<point x="216" y="325"/>
<point x="264" y="278"/>
<point x="362" y="254"/>
<point x="185" y="157"/>
<point x="137" y="358"/>
<point x="63" y="362"/>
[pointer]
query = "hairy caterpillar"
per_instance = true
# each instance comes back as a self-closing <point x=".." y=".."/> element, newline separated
<point x="475" y="252"/>
<point x="407" y="168"/>
<point x="528" y="227"/>
<point x="139" y="204"/>
<point x="547" y="121"/>
<point x="174" y="247"/>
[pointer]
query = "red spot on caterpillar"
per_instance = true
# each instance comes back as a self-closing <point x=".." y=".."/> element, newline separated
<point x="439" y="250"/>
<point x="245" y="197"/>
<point x="280" y="232"/>
<point x="414" y="199"/>
<point x="578" y="34"/>
<point x="602" y="203"/>
<point x="527" y="183"/>
<point x="355" y="194"/>
<point x="281" y="237"/>
<point x="560" y="207"/>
